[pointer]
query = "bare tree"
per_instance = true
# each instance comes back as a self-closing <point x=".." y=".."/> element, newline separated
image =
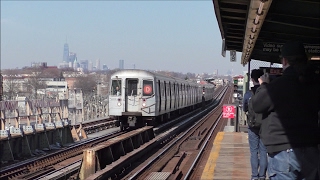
<point x="87" y="83"/>
<point x="11" y="83"/>
<point x="50" y="73"/>
<point x="35" y="82"/>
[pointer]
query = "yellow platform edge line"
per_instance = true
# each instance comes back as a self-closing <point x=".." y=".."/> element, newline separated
<point x="208" y="171"/>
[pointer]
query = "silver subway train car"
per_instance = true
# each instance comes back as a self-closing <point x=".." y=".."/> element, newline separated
<point x="139" y="97"/>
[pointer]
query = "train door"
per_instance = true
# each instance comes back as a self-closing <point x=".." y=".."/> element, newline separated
<point x="131" y="98"/>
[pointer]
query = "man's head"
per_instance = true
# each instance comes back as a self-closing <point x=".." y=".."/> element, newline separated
<point x="255" y="74"/>
<point x="293" y="53"/>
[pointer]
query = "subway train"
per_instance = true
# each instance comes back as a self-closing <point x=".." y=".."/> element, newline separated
<point x="138" y="97"/>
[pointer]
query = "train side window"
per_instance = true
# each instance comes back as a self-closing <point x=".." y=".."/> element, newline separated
<point x="165" y="95"/>
<point x="188" y="94"/>
<point x="178" y="95"/>
<point x="159" y="90"/>
<point x="174" y="95"/>
<point x="181" y="94"/>
<point x="116" y="87"/>
<point x="162" y="89"/>
<point x="147" y="88"/>
<point x="165" y="89"/>
<point x="170" y="89"/>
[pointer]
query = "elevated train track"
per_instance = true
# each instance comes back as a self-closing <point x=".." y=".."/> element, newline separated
<point x="130" y="159"/>
<point x="61" y="161"/>
<point x="81" y="130"/>
<point x="179" y="158"/>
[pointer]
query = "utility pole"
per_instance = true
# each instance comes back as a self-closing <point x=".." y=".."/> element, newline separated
<point x="1" y="87"/>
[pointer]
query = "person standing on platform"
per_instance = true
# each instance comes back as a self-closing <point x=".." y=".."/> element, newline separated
<point x="258" y="152"/>
<point x="290" y="130"/>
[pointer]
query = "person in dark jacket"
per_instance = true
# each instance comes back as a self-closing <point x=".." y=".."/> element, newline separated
<point x="258" y="152"/>
<point x="290" y="129"/>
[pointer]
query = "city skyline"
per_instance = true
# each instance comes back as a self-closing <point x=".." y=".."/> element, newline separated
<point x="179" y="36"/>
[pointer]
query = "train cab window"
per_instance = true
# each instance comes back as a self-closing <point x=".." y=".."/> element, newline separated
<point x="147" y="88"/>
<point x="132" y="87"/>
<point x="116" y="87"/>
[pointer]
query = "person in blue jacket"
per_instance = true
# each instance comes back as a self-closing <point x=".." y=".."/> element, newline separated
<point x="258" y="152"/>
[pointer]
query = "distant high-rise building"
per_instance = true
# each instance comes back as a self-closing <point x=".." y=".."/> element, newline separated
<point x="63" y="65"/>
<point x="215" y="72"/>
<point x="72" y="57"/>
<point x="90" y="66"/>
<point x="84" y="64"/>
<point x="75" y="64"/>
<point x="104" y="67"/>
<point x="66" y="53"/>
<point x="121" y="64"/>
<point x="98" y="64"/>
<point x="39" y="64"/>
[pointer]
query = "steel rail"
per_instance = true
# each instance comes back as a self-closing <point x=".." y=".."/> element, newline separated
<point x="61" y="172"/>
<point x="202" y="149"/>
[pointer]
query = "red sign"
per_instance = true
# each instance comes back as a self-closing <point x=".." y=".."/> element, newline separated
<point x="228" y="111"/>
<point x="147" y="89"/>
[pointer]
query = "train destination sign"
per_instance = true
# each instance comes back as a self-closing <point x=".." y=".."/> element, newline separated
<point x="147" y="89"/>
<point x="228" y="111"/>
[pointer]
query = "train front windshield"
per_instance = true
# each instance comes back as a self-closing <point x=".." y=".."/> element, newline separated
<point x="116" y="87"/>
<point x="132" y="87"/>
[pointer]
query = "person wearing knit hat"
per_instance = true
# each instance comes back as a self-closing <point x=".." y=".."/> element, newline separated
<point x="290" y="129"/>
<point x="258" y="152"/>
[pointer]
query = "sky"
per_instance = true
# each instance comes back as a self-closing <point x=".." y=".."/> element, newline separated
<point x="179" y="36"/>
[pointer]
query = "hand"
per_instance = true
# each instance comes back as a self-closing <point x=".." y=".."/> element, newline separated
<point x="264" y="78"/>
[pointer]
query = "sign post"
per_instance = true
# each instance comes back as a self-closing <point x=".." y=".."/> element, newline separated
<point x="228" y="111"/>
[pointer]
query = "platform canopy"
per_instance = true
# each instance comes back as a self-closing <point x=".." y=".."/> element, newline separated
<point x="258" y="28"/>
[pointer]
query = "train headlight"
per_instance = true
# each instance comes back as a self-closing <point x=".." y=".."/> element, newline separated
<point x="119" y="103"/>
<point x="144" y="104"/>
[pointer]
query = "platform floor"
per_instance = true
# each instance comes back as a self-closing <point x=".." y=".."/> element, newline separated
<point x="229" y="158"/>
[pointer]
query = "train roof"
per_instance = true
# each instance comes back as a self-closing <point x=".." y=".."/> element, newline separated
<point x="140" y="72"/>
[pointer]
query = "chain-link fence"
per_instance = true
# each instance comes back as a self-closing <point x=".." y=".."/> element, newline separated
<point x="255" y="64"/>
